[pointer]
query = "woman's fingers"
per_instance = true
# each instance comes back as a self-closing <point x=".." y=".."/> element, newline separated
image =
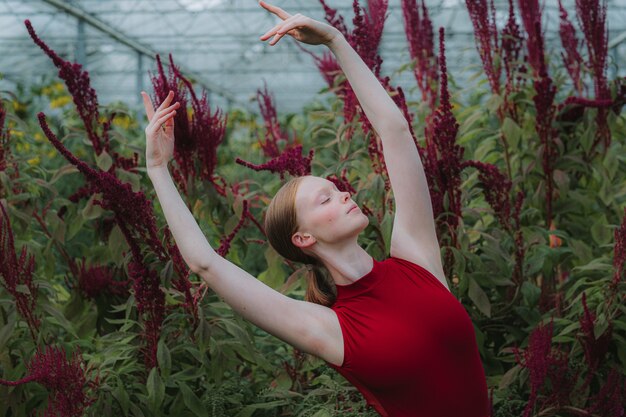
<point x="147" y="103"/>
<point x="274" y="9"/>
<point x="286" y="27"/>
<point x="278" y="27"/>
<point x="167" y="101"/>
<point x="158" y="122"/>
<point x="166" y="110"/>
<point x="271" y="31"/>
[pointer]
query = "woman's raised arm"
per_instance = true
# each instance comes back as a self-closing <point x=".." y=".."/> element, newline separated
<point x="414" y="237"/>
<point x="296" y="322"/>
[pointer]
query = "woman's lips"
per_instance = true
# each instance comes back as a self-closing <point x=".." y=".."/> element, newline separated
<point x="352" y="208"/>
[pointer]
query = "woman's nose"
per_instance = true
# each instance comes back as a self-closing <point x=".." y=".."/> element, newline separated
<point x="345" y="196"/>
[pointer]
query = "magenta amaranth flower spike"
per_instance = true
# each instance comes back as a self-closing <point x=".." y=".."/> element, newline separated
<point x="545" y="91"/>
<point x="365" y="39"/>
<point x="4" y="139"/>
<point x="619" y="253"/>
<point x="273" y="132"/>
<point x="184" y="143"/>
<point x="609" y="401"/>
<point x="419" y="32"/>
<point x="537" y="359"/>
<point x="226" y="240"/>
<point x="78" y="85"/>
<point x="483" y="16"/>
<point x="66" y="381"/>
<point x="18" y="272"/>
<point x="335" y="19"/>
<point x="592" y="18"/>
<point x="511" y="46"/>
<point x="207" y="130"/>
<point x="497" y="188"/>
<point x="6" y="158"/>
<point x="197" y="137"/>
<point x="86" y="101"/>
<point x="443" y="157"/>
<point x="151" y="307"/>
<point x="290" y="161"/>
<point x="99" y="279"/>
<point x="531" y="18"/>
<point x="595" y="349"/>
<point x="571" y="57"/>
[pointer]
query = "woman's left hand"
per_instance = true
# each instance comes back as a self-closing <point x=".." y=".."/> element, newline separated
<point x="301" y="28"/>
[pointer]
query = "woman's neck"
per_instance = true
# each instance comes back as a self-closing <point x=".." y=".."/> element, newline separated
<point x="346" y="263"/>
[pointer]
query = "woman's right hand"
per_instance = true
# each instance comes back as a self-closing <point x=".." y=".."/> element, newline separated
<point x="299" y="27"/>
<point x="160" y="131"/>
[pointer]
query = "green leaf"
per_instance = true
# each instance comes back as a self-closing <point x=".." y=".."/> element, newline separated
<point x="104" y="161"/>
<point x="67" y="169"/>
<point x="322" y="413"/>
<point x="5" y="333"/>
<point x="192" y="401"/>
<point x="275" y="275"/>
<point x="117" y="245"/>
<point x="91" y="211"/>
<point x="22" y="289"/>
<point x="486" y="146"/>
<point x="167" y="273"/>
<point x="203" y="334"/>
<point x="512" y="132"/>
<point x="156" y="389"/>
<point x="249" y="410"/>
<point x="480" y="299"/>
<point x="600" y="231"/>
<point x="163" y="357"/>
<point x="509" y="377"/>
<point x="531" y="293"/>
<point x="121" y="395"/>
<point x="75" y="225"/>
<point x="610" y="164"/>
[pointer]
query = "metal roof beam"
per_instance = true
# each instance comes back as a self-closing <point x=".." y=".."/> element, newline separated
<point x="137" y="46"/>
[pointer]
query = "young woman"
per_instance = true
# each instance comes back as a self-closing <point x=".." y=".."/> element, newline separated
<point x="392" y="328"/>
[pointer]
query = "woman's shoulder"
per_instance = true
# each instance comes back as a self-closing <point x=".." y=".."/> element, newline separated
<point x="418" y="266"/>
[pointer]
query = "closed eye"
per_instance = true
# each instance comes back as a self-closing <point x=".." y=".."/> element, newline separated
<point x="326" y="201"/>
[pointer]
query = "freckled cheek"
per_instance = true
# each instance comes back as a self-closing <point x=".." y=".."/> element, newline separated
<point x="328" y="216"/>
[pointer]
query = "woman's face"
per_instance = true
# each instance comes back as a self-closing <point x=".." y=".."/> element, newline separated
<point x="327" y="214"/>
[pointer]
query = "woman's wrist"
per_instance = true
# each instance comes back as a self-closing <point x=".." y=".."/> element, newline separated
<point x="337" y="37"/>
<point x="157" y="171"/>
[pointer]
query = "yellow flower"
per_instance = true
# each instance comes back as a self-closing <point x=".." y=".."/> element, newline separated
<point x="22" y="146"/>
<point x="60" y="101"/>
<point x="51" y="153"/>
<point x="17" y="106"/>
<point x="34" y="161"/>
<point x="58" y="87"/>
<point x="17" y="134"/>
<point x="38" y="137"/>
<point x="122" y="121"/>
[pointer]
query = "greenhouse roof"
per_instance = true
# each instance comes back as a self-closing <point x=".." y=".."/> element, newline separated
<point x="216" y="43"/>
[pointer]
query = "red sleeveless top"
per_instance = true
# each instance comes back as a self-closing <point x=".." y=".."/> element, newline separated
<point x="409" y="344"/>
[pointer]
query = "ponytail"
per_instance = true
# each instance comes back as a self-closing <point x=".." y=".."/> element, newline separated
<point x="320" y="289"/>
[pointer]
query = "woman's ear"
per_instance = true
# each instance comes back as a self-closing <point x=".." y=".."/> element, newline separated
<point x="303" y="240"/>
